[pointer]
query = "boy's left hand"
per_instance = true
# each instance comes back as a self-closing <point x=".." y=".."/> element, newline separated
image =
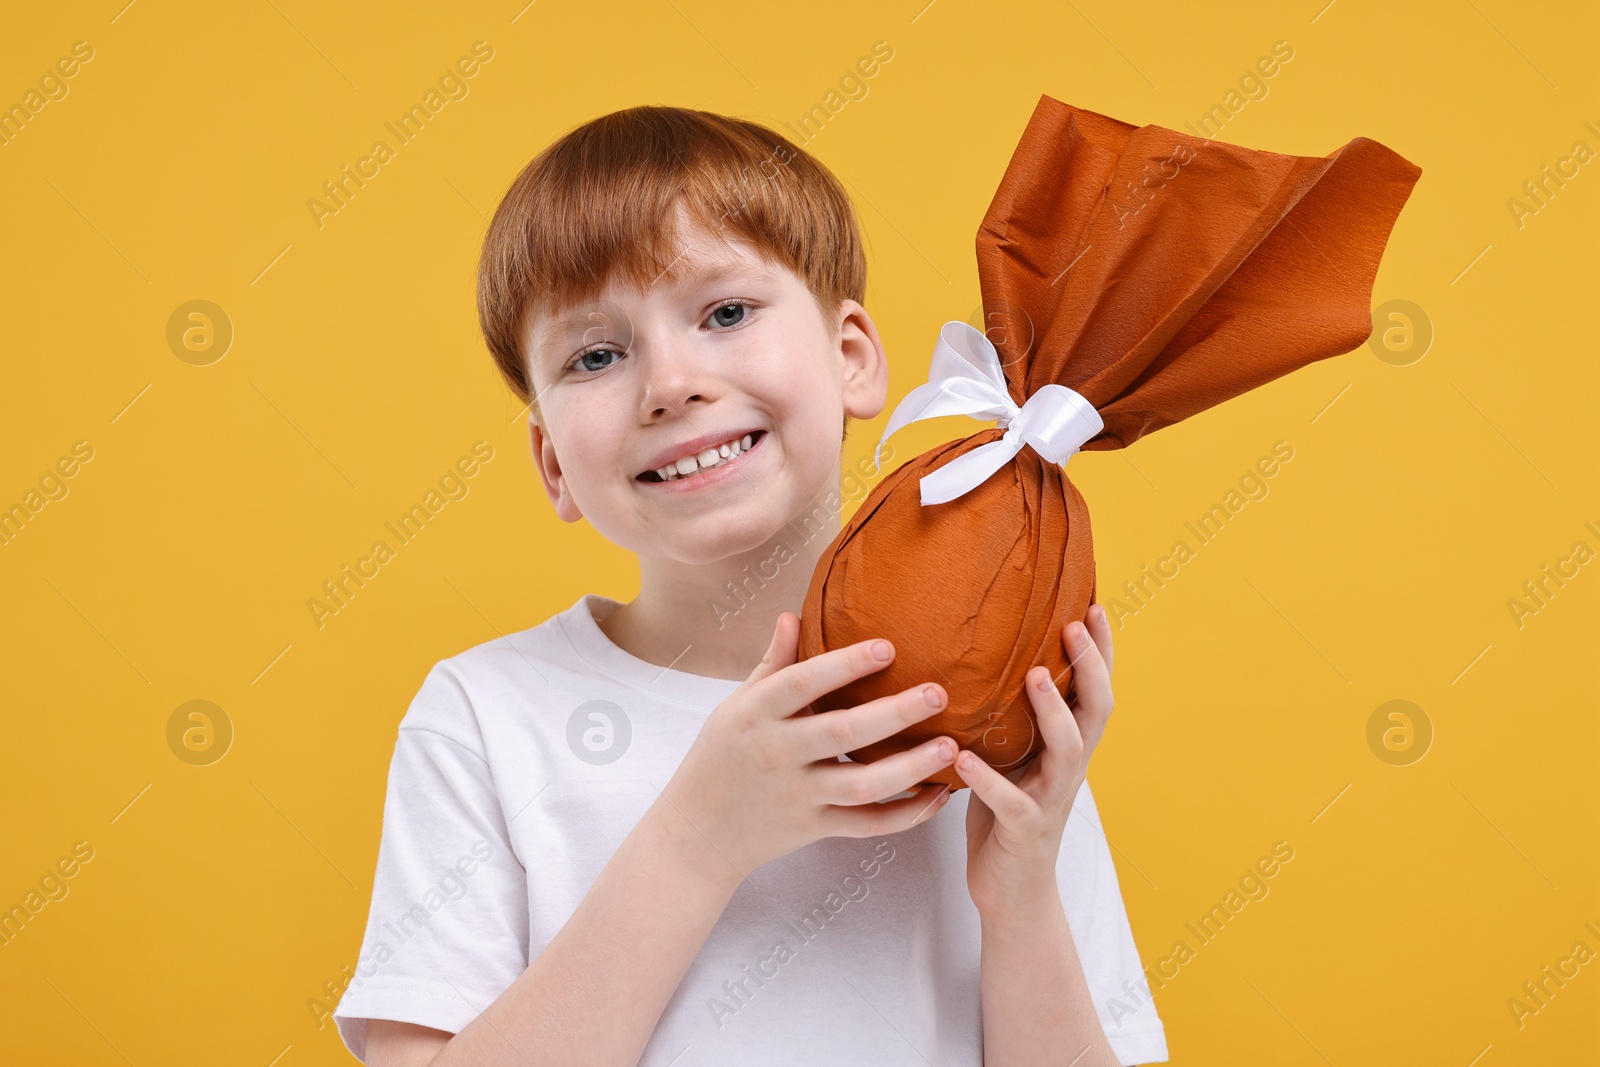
<point x="1014" y="830"/>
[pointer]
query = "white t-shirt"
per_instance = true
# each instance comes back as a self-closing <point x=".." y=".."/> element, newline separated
<point x="524" y="762"/>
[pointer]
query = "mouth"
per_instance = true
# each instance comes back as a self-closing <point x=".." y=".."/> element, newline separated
<point x="729" y="457"/>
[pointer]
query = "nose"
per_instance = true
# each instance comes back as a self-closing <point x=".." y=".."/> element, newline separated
<point x="675" y="375"/>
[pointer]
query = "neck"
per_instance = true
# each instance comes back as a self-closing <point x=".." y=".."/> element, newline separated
<point x="717" y="620"/>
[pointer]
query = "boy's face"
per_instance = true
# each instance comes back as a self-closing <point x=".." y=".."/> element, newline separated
<point x="736" y="347"/>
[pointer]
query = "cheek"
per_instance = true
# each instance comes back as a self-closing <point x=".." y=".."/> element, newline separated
<point x="814" y="432"/>
<point x="587" y="444"/>
<point x="802" y="384"/>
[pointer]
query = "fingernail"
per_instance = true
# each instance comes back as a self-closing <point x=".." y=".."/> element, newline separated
<point x="1044" y="682"/>
<point x="932" y="697"/>
<point x="967" y="761"/>
<point x="1076" y="633"/>
<point x="882" y="650"/>
<point x="947" y="751"/>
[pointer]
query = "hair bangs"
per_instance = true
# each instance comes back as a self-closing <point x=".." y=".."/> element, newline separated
<point x="603" y="203"/>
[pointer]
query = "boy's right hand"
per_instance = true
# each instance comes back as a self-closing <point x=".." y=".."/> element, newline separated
<point x="763" y="778"/>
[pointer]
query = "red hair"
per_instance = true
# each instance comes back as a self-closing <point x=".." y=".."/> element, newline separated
<point x="600" y="202"/>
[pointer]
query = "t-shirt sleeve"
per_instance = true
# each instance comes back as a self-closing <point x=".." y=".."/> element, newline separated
<point x="1092" y="898"/>
<point x="447" y="932"/>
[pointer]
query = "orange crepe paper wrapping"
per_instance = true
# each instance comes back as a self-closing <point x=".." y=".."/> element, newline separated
<point x="1154" y="273"/>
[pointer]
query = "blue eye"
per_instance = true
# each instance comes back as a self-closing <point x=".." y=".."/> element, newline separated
<point x="716" y="315"/>
<point x="579" y="362"/>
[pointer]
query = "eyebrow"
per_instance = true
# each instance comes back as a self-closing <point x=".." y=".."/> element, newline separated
<point x="693" y="275"/>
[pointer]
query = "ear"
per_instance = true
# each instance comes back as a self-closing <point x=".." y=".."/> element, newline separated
<point x="865" y="366"/>
<point x="555" y="485"/>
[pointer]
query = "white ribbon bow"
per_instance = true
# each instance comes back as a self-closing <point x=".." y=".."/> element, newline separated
<point x="964" y="378"/>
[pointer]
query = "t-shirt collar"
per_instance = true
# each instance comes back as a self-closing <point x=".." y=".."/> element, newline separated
<point x="582" y="630"/>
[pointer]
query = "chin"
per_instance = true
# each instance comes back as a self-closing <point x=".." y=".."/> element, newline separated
<point x="731" y="537"/>
<point x="728" y="544"/>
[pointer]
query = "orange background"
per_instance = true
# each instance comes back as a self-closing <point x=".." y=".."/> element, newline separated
<point x="1428" y="483"/>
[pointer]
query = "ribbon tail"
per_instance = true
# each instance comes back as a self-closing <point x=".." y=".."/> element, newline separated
<point x="968" y="471"/>
<point x="946" y="396"/>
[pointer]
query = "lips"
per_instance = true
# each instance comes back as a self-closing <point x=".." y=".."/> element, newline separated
<point x="707" y="450"/>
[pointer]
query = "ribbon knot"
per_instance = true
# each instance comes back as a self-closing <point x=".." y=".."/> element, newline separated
<point x="964" y="378"/>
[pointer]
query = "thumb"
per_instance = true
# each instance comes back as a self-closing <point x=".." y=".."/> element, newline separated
<point x="783" y="649"/>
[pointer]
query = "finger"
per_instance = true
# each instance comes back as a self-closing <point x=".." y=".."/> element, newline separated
<point x="781" y="652"/>
<point x="848" y="784"/>
<point x="830" y="734"/>
<point x="892" y="816"/>
<point x="1100" y="629"/>
<point x="796" y="685"/>
<point x="1063" y="751"/>
<point x="1011" y="806"/>
<point x="1092" y="682"/>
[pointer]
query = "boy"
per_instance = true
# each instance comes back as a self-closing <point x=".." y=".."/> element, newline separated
<point x="620" y="837"/>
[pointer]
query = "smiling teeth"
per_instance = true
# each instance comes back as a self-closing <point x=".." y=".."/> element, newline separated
<point x="711" y="457"/>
